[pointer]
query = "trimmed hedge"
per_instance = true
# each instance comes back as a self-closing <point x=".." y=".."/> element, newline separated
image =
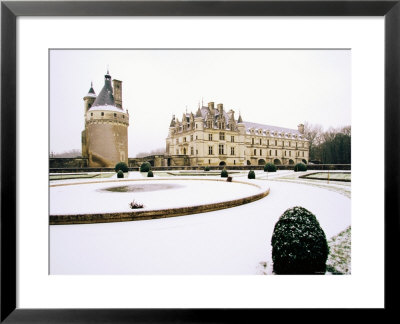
<point x="251" y="175"/>
<point x="207" y="168"/>
<point x="270" y="167"/>
<point x="145" y="167"/>
<point x="121" y="166"/>
<point x="120" y="174"/>
<point x="224" y="173"/>
<point x="299" y="243"/>
<point x="300" y="167"/>
<point x="150" y="174"/>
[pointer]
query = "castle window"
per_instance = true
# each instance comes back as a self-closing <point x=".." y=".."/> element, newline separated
<point x="191" y="137"/>
<point x="210" y="151"/>
<point x="232" y="139"/>
<point x="209" y="161"/>
<point x="234" y="162"/>
<point x="252" y="141"/>
<point x="276" y="142"/>
<point x="177" y="152"/>
<point x="115" y="115"/>
<point x="222" y="136"/>
<point x="290" y="153"/>
<point x="232" y="151"/>
<point x="221" y="149"/>
<point x="102" y="113"/>
<point x="261" y="152"/>
<point x="196" y="126"/>
<point x="267" y="142"/>
<point x="276" y="152"/>
<point x="260" y="141"/>
<point x="210" y="137"/>
<point x="255" y="152"/>
<point x="197" y="152"/>
<point x="285" y="153"/>
<point x="191" y="151"/>
<point x="184" y="151"/>
<point x="91" y="114"/>
<point x="303" y="153"/>
<point x="184" y="139"/>
<point x="123" y="116"/>
<point x="270" y="152"/>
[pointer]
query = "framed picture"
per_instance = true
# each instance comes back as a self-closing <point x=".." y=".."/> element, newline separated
<point x="183" y="38"/>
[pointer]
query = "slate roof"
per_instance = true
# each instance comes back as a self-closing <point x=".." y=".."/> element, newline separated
<point x="278" y="129"/>
<point x="105" y="97"/>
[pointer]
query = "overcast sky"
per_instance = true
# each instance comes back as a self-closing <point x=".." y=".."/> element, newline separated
<point x="274" y="87"/>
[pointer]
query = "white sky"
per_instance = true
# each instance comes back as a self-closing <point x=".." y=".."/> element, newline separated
<point x="274" y="87"/>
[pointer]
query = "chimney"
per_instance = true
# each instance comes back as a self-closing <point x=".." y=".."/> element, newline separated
<point x="117" y="89"/>
<point x="300" y="128"/>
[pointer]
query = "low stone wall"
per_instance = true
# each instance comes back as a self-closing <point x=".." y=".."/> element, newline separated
<point x="68" y="163"/>
<point x="151" y="214"/>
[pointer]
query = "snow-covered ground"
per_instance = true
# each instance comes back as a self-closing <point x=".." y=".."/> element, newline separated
<point x="92" y="197"/>
<point x="229" y="241"/>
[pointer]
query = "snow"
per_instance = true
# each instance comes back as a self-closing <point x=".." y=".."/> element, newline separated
<point x="92" y="197"/>
<point x="230" y="241"/>
<point x="107" y="108"/>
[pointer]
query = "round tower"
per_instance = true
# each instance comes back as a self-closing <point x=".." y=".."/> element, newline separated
<point x="88" y="101"/>
<point x="106" y="125"/>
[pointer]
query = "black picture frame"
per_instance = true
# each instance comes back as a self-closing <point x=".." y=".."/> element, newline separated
<point x="10" y="10"/>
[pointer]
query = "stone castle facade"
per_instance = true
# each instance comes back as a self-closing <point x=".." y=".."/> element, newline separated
<point x="214" y="137"/>
<point x="105" y="137"/>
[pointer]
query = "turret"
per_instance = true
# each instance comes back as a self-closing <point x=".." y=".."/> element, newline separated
<point x="89" y="98"/>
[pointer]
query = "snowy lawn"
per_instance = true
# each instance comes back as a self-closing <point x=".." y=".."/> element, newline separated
<point x="97" y="197"/>
<point x="230" y="241"/>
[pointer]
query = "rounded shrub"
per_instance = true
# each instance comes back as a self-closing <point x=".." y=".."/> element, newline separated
<point x="251" y="175"/>
<point x="300" y="167"/>
<point x="270" y="167"/>
<point x="145" y="167"/>
<point x="150" y="174"/>
<point x="207" y="168"/>
<point x="224" y="173"/>
<point x="121" y="166"/>
<point x="299" y="243"/>
<point x="120" y="174"/>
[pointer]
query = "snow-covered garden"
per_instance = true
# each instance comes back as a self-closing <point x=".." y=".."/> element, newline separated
<point x="229" y="241"/>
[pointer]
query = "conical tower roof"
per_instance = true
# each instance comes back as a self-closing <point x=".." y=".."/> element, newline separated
<point x="91" y="92"/>
<point x="105" y="97"/>
<point x="240" y="120"/>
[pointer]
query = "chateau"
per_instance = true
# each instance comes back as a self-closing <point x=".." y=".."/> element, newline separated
<point x="105" y="137"/>
<point x="214" y="137"/>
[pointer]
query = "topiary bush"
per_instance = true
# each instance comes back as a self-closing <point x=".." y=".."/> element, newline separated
<point x="150" y="174"/>
<point x="145" y="167"/>
<point x="299" y="243"/>
<point x="121" y="166"/>
<point x="251" y="175"/>
<point x="224" y="173"/>
<point x="270" y="167"/>
<point x="120" y="174"/>
<point x="207" y="168"/>
<point x="300" y="167"/>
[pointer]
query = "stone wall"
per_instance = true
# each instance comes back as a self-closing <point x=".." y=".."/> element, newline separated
<point x="68" y="163"/>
